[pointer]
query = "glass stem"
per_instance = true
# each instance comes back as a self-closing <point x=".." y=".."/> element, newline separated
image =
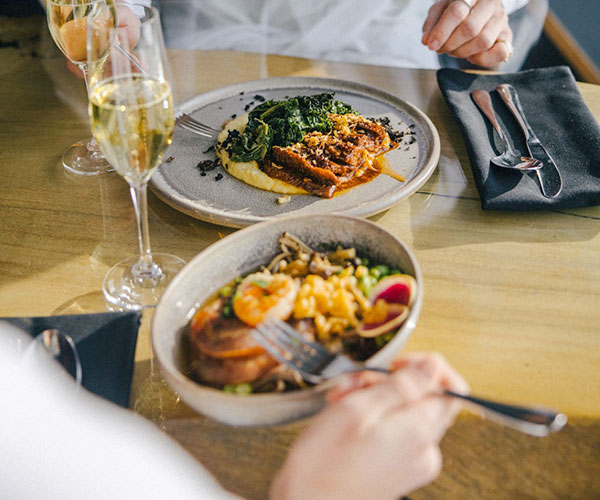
<point x="92" y="145"/>
<point x="145" y="269"/>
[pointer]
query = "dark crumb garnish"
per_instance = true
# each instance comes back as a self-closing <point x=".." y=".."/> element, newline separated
<point x="203" y="174"/>
<point x="412" y="125"/>
<point x="218" y="177"/>
<point x="260" y="98"/>
<point x="242" y="92"/>
<point x="207" y="165"/>
<point x="248" y="106"/>
<point x="233" y="116"/>
<point x="411" y="139"/>
<point x="209" y="149"/>
<point x="232" y="136"/>
<point x="169" y="159"/>
<point x="384" y="121"/>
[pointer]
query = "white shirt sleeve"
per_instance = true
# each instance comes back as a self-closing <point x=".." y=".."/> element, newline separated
<point x="512" y="5"/>
<point x="58" y="442"/>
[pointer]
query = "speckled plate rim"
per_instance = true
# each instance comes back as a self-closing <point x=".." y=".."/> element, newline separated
<point x="355" y="206"/>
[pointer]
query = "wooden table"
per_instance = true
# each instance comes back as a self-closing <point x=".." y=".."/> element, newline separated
<point x="511" y="299"/>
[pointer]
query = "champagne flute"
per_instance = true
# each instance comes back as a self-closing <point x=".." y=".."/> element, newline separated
<point x="131" y="112"/>
<point x="68" y="22"/>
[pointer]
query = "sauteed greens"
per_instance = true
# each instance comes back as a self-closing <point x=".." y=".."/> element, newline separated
<point x="281" y="123"/>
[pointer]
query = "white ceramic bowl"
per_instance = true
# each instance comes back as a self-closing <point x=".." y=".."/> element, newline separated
<point x="243" y="252"/>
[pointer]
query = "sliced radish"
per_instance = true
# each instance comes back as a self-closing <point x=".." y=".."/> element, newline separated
<point x="396" y="315"/>
<point x="395" y="289"/>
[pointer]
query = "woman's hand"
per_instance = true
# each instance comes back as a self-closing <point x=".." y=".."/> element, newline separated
<point x="379" y="436"/>
<point x="480" y="34"/>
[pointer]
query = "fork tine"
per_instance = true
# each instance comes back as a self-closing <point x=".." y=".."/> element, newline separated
<point x="284" y="343"/>
<point x="189" y="121"/>
<point x="274" y="350"/>
<point x="310" y="357"/>
<point x="193" y="130"/>
<point x="186" y="121"/>
<point x="294" y="334"/>
<point x="299" y="348"/>
<point x="265" y="338"/>
<point x="190" y="125"/>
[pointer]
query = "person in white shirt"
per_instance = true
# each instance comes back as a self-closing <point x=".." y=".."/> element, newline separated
<point x="497" y="34"/>
<point x="401" y="33"/>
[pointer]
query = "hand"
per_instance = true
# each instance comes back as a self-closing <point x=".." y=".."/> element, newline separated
<point x="128" y="30"/>
<point x="379" y="436"/>
<point x="480" y="35"/>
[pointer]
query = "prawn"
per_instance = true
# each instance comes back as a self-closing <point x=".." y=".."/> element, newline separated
<point x="261" y="295"/>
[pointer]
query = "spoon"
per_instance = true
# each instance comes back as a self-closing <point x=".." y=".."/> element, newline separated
<point x="509" y="158"/>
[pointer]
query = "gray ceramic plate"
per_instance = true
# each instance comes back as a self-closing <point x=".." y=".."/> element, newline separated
<point x="230" y="202"/>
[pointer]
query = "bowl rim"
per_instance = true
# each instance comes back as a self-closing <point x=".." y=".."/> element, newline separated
<point x="404" y="331"/>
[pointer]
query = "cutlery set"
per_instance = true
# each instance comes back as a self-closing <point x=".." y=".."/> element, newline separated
<point x="539" y="160"/>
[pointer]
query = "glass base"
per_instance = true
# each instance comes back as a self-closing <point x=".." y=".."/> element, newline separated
<point x="81" y="159"/>
<point x="125" y="288"/>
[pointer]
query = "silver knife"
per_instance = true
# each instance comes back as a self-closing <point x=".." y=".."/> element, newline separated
<point x="548" y="175"/>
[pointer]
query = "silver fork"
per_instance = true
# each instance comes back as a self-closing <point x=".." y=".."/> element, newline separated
<point x="316" y="364"/>
<point x="187" y="122"/>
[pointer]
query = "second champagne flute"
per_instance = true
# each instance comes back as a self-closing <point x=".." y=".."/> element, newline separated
<point x="131" y="112"/>
<point x="68" y="21"/>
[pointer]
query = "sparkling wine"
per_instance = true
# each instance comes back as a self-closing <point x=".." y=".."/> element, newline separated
<point x="68" y="23"/>
<point x="132" y="120"/>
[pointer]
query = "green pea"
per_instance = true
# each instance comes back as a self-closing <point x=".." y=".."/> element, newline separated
<point x="228" y="311"/>
<point x="380" y="271"/>
<point x="225" y="291"/>
<point x="395" y="271"/>
<point x="384" y="339"/>
<point x="243" y="388"/>
<point x="366" y="283"/>
<point x="376" y="273"/>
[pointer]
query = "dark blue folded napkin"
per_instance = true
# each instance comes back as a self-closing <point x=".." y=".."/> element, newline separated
<point x="105" y="344"/>
<point x="562" y="121"/>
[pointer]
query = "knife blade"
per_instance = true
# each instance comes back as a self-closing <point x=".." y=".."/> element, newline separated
<point x="549" y="175"/>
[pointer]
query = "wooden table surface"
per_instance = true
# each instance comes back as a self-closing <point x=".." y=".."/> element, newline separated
<point x="511" y="299"/>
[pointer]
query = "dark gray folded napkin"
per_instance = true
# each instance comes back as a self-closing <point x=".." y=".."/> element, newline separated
<point x="562" y="121"/>
<point x="106" y="346"/>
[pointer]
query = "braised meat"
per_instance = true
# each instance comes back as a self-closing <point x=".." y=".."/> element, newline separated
<point x="325" y="163"/>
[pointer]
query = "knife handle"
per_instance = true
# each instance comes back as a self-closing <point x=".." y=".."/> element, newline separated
<point x="551" y="182"/>
<point x="511" y="99"/>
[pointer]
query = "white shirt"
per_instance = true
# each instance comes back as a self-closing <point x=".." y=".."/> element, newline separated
<point x="385" y="32"/>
